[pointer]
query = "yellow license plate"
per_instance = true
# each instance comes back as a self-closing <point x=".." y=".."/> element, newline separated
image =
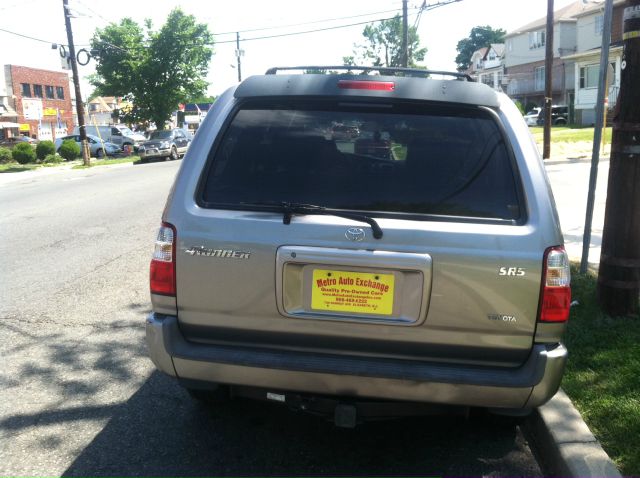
<point x="357" y="292"/>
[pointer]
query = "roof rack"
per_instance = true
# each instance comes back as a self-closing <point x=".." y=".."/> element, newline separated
<point x="384" y="70"/>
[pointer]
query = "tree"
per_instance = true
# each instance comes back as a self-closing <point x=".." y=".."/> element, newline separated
<point x="383" y="45"/>
<point x="479" y="37"/>
<point x="154" y="71"/>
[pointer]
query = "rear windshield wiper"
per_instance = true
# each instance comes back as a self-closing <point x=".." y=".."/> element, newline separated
<point x="291" y="208"/>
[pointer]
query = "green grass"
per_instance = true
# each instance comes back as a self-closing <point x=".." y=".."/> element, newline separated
<point x="17" y="168"/>
<point x="563" y="134"/>
<point x="603" y="374"/>
<point x="107" y="162"/>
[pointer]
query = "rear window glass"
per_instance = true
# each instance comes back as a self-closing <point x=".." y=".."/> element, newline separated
<point x="387" y="159"/>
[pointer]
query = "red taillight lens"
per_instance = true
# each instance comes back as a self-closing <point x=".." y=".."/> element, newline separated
<point x="162" y="275"/>
<point x="555" y="298"/>
<point x="366" y="85"/>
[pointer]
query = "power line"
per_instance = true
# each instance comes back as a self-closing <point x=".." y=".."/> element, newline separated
<point x="264" y="37"/>
<point x="309" y="31"/>
<point x="28" y="37"/>
<point x="306" y="23"/>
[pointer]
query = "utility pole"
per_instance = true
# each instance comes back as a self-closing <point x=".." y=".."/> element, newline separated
<point x="405" y="35"/>
<point x="597" y="132"/>
<point x="76" y="83"/>
<point x="619" y="273"/>
<point x="239" y="53"/>
<point x="548" y="87"/>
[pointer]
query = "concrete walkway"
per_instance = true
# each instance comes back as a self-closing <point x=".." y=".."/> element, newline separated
<point x="570" y="184"/>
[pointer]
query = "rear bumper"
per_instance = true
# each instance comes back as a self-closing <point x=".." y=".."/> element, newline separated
<point x="159" y="153"/>
<point x="529" y="385"/>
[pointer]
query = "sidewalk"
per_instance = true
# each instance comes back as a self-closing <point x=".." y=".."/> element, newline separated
<point x="570" y="183"/>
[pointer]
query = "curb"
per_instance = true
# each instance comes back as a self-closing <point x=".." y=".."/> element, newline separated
<point x="564" y="442"/>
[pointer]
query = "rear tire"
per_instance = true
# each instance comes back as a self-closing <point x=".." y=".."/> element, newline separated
<point x="100" y="153"/>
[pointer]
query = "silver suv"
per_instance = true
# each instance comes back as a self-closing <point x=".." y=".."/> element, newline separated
<point x="417" y="260"/>
<point x="169" y="144"/>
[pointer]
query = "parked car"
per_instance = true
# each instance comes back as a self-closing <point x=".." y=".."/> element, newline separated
<point x="97" y="146"/>
<point x="120" y="135"/>
<point x="559" y="115"/>
<point x="343" y="132"/>
<point x="289" y="269"/>
<point x="11" y="142"/>
<point x="531" y="118"/>
<point x="169" y="144"/>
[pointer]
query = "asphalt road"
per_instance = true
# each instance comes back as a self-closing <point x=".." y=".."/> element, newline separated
<point x="79" y="397"/>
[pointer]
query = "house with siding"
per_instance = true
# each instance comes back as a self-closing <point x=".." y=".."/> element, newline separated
<point x="586" y="60"/>
<point x="525" y="57"/>
<point x="487" y="66"/>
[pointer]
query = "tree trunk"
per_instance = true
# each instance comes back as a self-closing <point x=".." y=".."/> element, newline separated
<point x="619" y="273"/>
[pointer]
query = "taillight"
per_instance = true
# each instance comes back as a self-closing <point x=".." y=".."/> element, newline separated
<point x="555" y="298"/>
<point x="366" y="85"/>
<point x="162" y="275"/>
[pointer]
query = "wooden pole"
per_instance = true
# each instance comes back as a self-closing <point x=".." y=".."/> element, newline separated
<point x="405" y="34"/>
<point x="76" y="83"/>
<point x="619" y="273"/>
<point x="548" y="87"/>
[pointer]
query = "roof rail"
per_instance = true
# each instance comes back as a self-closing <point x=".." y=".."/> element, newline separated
<point x="384" y="70"/>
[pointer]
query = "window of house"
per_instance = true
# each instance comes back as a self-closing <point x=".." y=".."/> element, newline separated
<point x="510" y="45"/>
<point x="599" y="23"/>
<point x="60" y="92"/>
<point x="538" y="76"/>
<point x="26" y="90"/>
<point x="49" y="92"/>
<point x="537" y="39"/>
<point x="612" y="80"/>
<point x="589" y="76"/>
<point x="37" y="91"/>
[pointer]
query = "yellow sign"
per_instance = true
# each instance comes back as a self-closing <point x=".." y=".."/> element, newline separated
<point x="50" y="112"/>
<point x="24" y="127"/>
<point x="358" y="292"/>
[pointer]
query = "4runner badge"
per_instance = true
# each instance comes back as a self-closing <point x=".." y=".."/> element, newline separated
<point x="220" y="253"/>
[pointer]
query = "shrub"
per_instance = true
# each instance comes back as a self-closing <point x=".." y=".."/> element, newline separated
<point x="52" y="159"/>
<point x="44" y="149"/>
<point x="23" y="153"/>
<point x="5" y="155"/>
<point x="69" y="150"/>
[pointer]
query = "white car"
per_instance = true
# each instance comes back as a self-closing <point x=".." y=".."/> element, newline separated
<point x="531" y="117"/>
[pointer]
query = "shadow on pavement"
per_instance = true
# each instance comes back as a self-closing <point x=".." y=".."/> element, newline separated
<point x="160" y="431"/>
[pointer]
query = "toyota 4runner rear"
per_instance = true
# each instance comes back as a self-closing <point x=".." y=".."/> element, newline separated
<point x="418" y="259"/>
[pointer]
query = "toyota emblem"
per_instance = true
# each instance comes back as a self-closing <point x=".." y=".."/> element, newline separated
<point x="355" y="234"/>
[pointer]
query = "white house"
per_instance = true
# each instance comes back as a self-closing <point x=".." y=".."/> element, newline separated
<point x="525" y="56"/>
<point x="587" y="59"/>
<point x="492" y="71"/>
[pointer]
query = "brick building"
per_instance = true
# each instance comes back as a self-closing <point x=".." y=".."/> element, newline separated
<point x="41" y="99"/>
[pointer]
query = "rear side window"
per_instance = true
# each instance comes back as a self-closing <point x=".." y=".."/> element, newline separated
<point x="387" y="159"/>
